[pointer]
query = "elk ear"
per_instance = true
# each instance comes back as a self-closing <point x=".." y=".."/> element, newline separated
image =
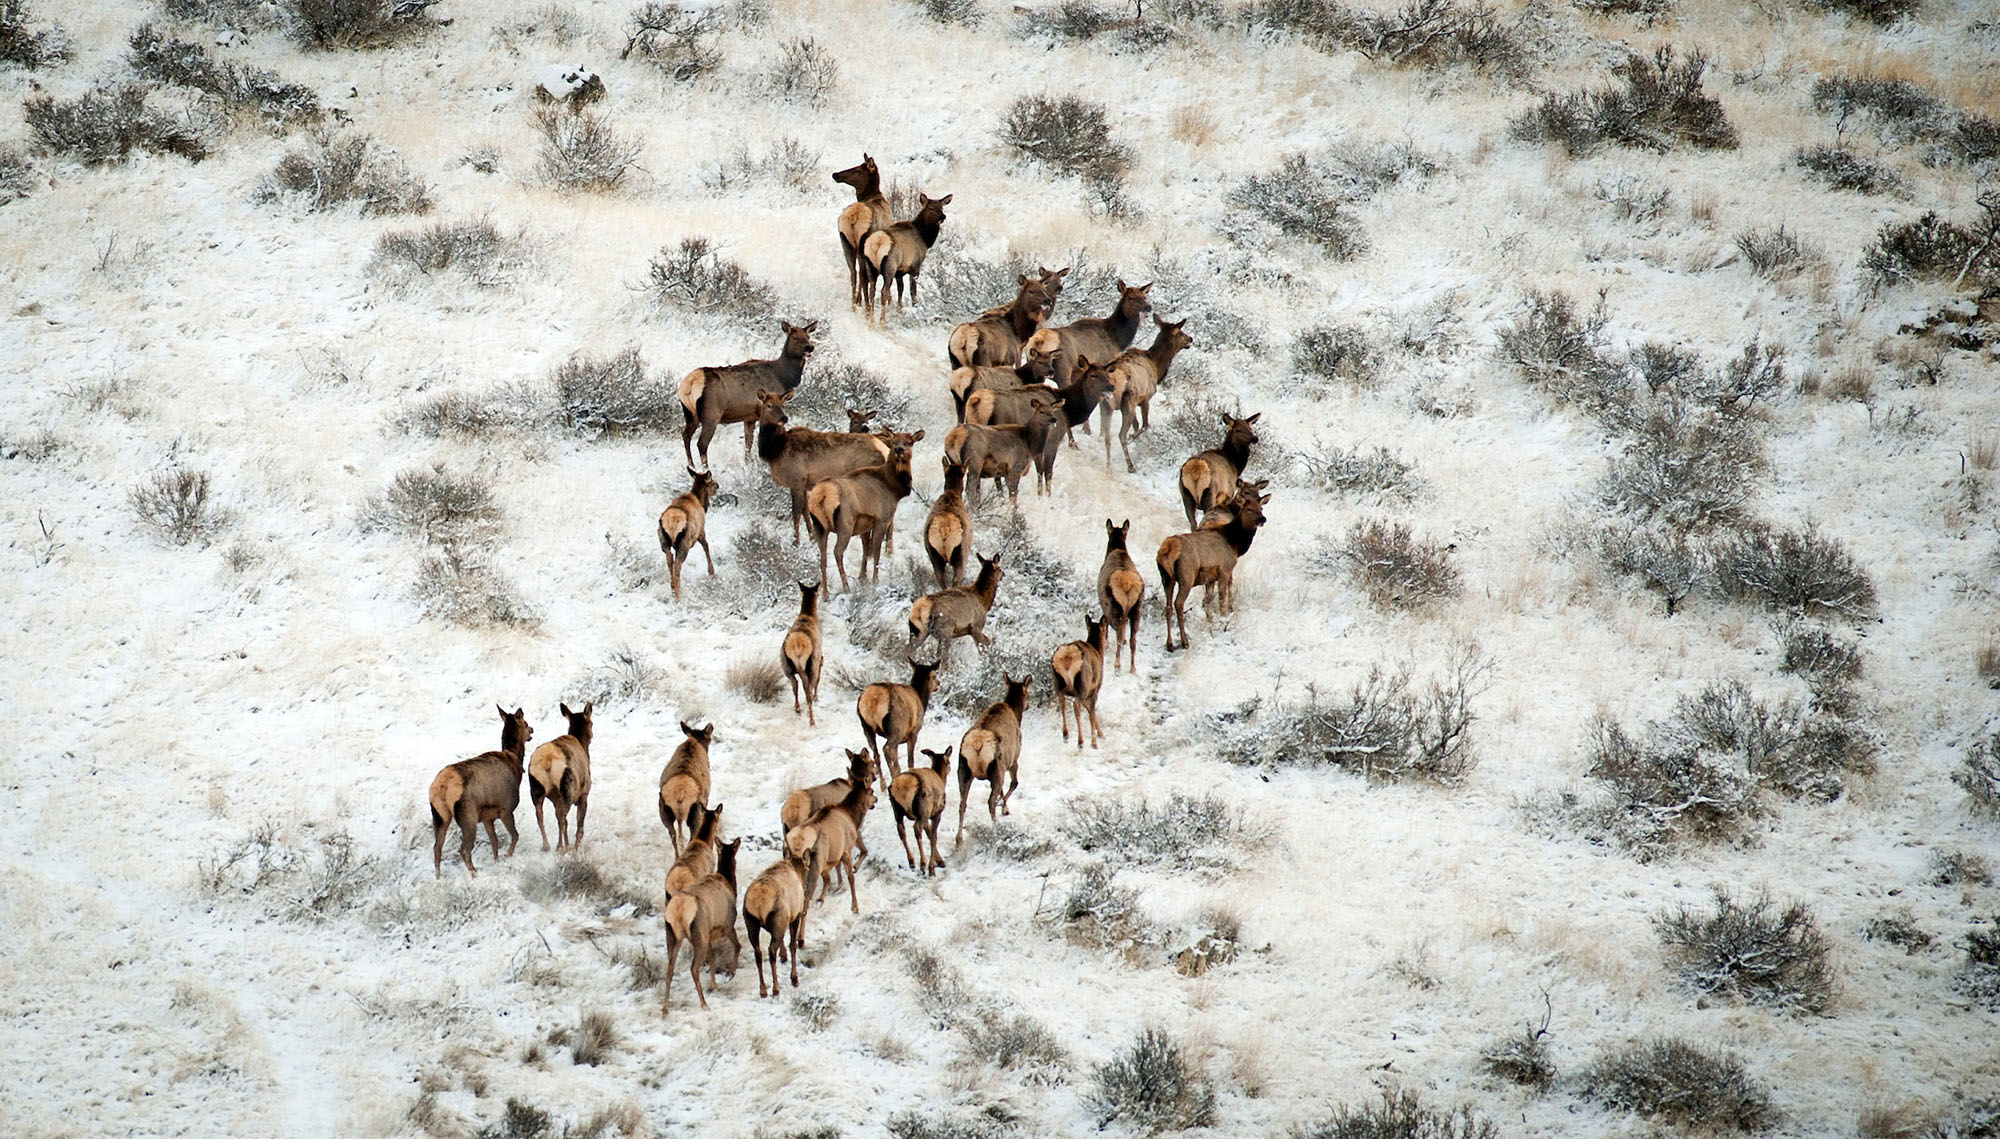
<point x="787" y="327"/>
<point x="1255" y="418"/>
<point x="1145" y="288"/>
<point x="809" y="326"/>
<point x="1021" y="278"/>
<point x="501" y="710"/>
<point x="565" y="711"/>
<point x="520" y="713"/>
<point x="787" y="397"/>
<point x="589" y="706"/>
<point x="1121" y="284"/>
<point x="944" y="201"/>
<point x="917" y="436"/>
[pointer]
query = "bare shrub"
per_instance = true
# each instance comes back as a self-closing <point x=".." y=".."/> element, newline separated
<point x="964" y="13"/>
<point x="1685" y="466"/>
<point x="1978" y="976"/>
<point x="474" y="250"/>
<point x="695" y="277"/>
<point x="1327" y="354"/>
<point x="804" y="72"/>
<point x="1384" y="729"/>
<point x="1666" y="560"/>
<point x="626" y="679"/>
<point x="1828" y="664"/>
<point x="1395" y="568"/>
<point x="817" y="1010"/>
<point x="1152" y="1087"/>
<point x="177" y="505"/>
<point x="1899" y="929"/>
<point x="1378" y="474"/>
<point x="756" y="679"/>
<point x="1069" y="137"/>
<point x="1933" y="249"/>
<point x="1776" y="253"/>
<point x="1972" y="1117"/>
<point x="1100" y="914"/>
<point x="27" y="48"/>
<point x="595" y="1037"/>
<point x="1523" y="1058"/>
<point x="18" y="177"/>
<point x="1016" y="1043"/>
<point x="334" y="167"/>
<point x="312" y="877"/>
<point x="328" y="25"/>
<point x="565" y="879"/>
<point x="1680" y="1083"/>
<point x="1423" y="33"/>
<point x="581" y="153"/>
<point x="242" y="15"/>
<point x="1959" y="868"/>
<point x="1648" y="11"/>
<point x="788" y="163"/>
<point x="1753" y="952"/>
<point x="1978" y="775"/>
<point x="612" y="395"/>
<point x="1986" y="661"/>
<point x="839" y="386"/>
<point x="1664" y="788"/>
<point x="1842" y="169"/>
<point x="107" y="124"/>
<point x="237" y="87"/>
<point x="1010" y="841"/>
<point x="768" y="565"/>
<point x="457" y="585"/>
<point x="436" y="505"/>
<point x="1880" y="12"/>
<point x="674" y="37"/>
<point x="1801" y="571"/>
<point x="911" y="1125"/>
<point x="1308" y="196"/>
<point x="1660" y="104"/>
<point x="1183" y="832"/>
<point x="1066" y="20"/>
<point x="1400" y="1115"/>
<point x="513" y="406"/>
<point x="1563" y="351"/>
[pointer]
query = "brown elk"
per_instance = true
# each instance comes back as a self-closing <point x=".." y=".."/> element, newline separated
<point x="802" y="654"/>
<point x="896" y="254"/>
<point x="1206" y="557"/>
<point x="948" y="529"/>
<point x="1037" y="364"/>
<point x="479" y="790"/>
<point x="1121" y="591"/>
<point x="995" y="337"/>
<point x="703" y="917"/>
<point x="1101" y="337"/>
<point x="685" y="522"/>
<point x="696" y="859"/>
<point x="831" y="839"/>
<point x="1136" y="375"/>
<point x="1079" y="673"/>
<point x="991" y="750"/>
<point x="869" y="213"/>
<point x="711" y="397"/>
<point x="800" y="456"/>
<point x="1004" y="452"/>
<point x="919" y="795"/>
<point x="806" y="802"/>
<point x="774" y="905"/>
<point x="1082" y="396"/>
<point x="956" y="612"/>
<point x="560" y="770"/>
<point x="684" y="783"/>
<point x="895" y="714"/>
<point x="1209" y="479"/>
<point x="863" y="502"/>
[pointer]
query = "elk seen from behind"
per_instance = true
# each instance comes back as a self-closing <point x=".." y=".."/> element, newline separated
<point x="684" y="783"/>
<point x="696" y="859"/>
<point x="948" y="529"/>
<point x="918" y="795"/>
<point x="896" y="254"/>
<point x="685" y="522"/>
<point x="956" y="612"/>
<point x="868" y="213"/>
<point x="1078" y="668"/>
<point x="893" y="714"/>
<point x="803" y="654"/>
<point x="799" y="457"/>
<point x="991" y="750"/>
<point x="1121" y="592"/>
<point x="1209" y="479"/>
<point x="703" y="918"/>
<point x="774" y="906"/>
<point x="863" y="503"/>
<point x="560" y="771"/>
<point x="479" y="791"/>
<point x="831" y="839"/>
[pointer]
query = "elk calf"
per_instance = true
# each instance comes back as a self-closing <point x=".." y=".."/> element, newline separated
<point x="802" y="653"/>
<point x="684" y="783"/>
<point x="895" y="714"/>
<point x="1207" y="557"/>
<point x="919" y="795"/>
<point x="774" y="904"/>
<point x="831" y="839"/>
<point x="1079" y="674"/>
<point x="1209" y="479"/>
<point x="948" y="529"/>
<point x="803" y="804"/>
<point x="685" y="522"/>
<point x="991" y="750"/>
<point x="560" y="770"/>
<point x="1121" y="592"/>
<point x="703" y="918"/>
<point x="478" y="791"/>
<point x="697" y="859"/>
<point x="956" y="612"/>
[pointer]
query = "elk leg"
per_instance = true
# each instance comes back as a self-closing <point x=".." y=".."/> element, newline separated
<point x="1134" y="634"/>
<point x="853" y="278"/>
<point x="513" y="835"/>
<point x="707" y="553"/>
<point x="689" y="425"/>
<point x="749" y="437"/>
<point x="798" y="925"/>
<point x="964" y="784"/>
<point x="674" y="574"/>
<point x="993" y="798"/>
<point x="1104" y="427"/>
<point x="562" y="825"/>
<point x="1062" y="713"/>
<point x="906" y="840"/>
<point x="582" y="809"/>
<point x="1096" y="733"/>
<point x="794" y="678"/>
<point x="535" y="793"/>
<point x="1125" y="434"/>
<point x="812" y="690"/>
<point x="757" y="957"/>
<point x="698" y="949"/>
<point x="493" y="837"/>
<point x="853" y="899"/>
<point x="1014" y="780"/>
<point x="673" y="955"/>
<point x="468" y="835"/>
<point x="707" y="433"/>
<point x="438" y="828"/>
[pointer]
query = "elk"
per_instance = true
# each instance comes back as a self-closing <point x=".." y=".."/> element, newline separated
<point x="799" y="456"/>
<point x="560" y="770"/>
<point x="697" y="859"/>
<point x="948" y="529"/>
<point x="1101" y="337"/>
<point x="869" y="213"/>
<point x="703" y="917"/>
<point x="991" y="750"/>
<point x="1079" y="673"/>
<point x="995" y="337"/>
<point x="1209" y="479"/>
<point x="897" y="254"/>
<point x="480" y="790"/>
<point x="802" y="653"/>
<point x="1121" y="591"/>
<point x="803" y="804"/>
<point x="864" y="503"/>
<point x="831" y="839"/>
<point x="684" y="783"/>
<point x="1206" y="557"/>
<point x="711" y="397"/>
<point x="1002" y="453"/>
<point x="919" y="795"/>
<point x="956" y="612"/>
<point x="774" y="904"/>
<point x="895" y="713"/>
<point x="1078" y="399"/>
<point x="1037" y="364"/>
<point x="1136" y="375"/>
<point x="685" y="522"/>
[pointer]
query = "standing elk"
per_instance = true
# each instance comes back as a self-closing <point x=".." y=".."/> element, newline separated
<point x="798" y="457"/>
<point x="685" y="522"/>
<point x="995" y="337"/>
<point x="1004" y="452"/>
<point x="895" y="714"/>
<point x="831" y="839"/>
<point x="1121" y="591"/>
<point x="560" y="771"/>
<point x="1037" y="364"/>
<point x="684" y="783"/>
<point x="956" y="612"/>
<point x="919" y="796"/>
<point x="1101" y="337"/>
<point x="1209" y="479"/>
<point x="991" y="750"/>
<point x="863" y="502"/>
<point x="703" y="918"/>
<point x="1078" y="668"/>
<point x="713" y="396"/>
<point x="806" y="802"/>
<point x="774" y="905"/>
<point x="478" y="791"/>
<point x="948" y="529"/>
<point x="1206" y="557"/>
<point x="697" y="859"/>
<point x="896" y="254"/>
<point x="803" y="654"/>
<point x="868" y="213"/>
<point x="1136" y="375"/>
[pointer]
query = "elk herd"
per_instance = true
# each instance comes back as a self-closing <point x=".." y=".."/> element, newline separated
<point x="1020" y="385"/>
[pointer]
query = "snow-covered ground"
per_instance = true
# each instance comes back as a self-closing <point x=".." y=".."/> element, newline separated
<point x="275" y="692"/>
